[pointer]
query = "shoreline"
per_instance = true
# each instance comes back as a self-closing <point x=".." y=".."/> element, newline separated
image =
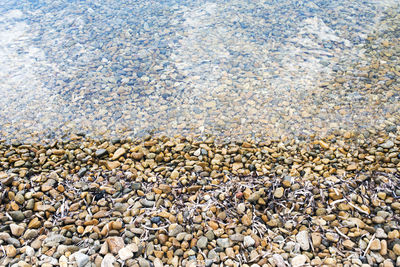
<point x="182" y="202"/>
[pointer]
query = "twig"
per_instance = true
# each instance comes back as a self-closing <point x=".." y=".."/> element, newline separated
<point x="338" y="201"/>
<point x="340" y="233"/>
<point x="357" y="208"/>
<point x="155" y="229"/>
<point x="369" y="244"/>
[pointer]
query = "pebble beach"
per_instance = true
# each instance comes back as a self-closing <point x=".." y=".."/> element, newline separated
<point x="199" y="133"/>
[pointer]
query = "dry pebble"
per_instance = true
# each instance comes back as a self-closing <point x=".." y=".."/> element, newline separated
<point x="275" y="209"/>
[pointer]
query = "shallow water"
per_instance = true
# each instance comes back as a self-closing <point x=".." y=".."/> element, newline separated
<point x="227" y="68"/>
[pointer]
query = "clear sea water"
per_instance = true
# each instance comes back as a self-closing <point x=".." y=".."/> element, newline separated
<point x="228" y="68"/>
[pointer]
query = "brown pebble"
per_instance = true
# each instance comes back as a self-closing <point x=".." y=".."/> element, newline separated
<point x="115" y="243"/>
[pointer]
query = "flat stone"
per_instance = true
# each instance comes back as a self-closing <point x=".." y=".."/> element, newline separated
<point x="13" y="241"/>
<point x="302" y="239"/>
<point x="81" y="259"/>
<point x="278" y="260"/>
<point x="137" y="155"/>
<point x="19" y="198"/>
<point x="223" y="242"/>
<point x="17" y="216"/>
<point x="388" y="144"/>
<point x="202" y="242"/>
<point x="210" y="235"/>
<point x="11" y="251"/>
<point x="348" y="244"/>
<point x="136" y="186"/>
<point x="279" y="192"/>
<point x="396" y="249"/>
<point x="375" y="244"/>
<point x="108" y="261"/>
<point x="115" y="243"/>
<point x="352" y="167"/>
<point x="24" y="264"/>
<point x="380" y="233"/>
<point x="147" y="203"/>
<point x="36" y="244"/>
<point x="299" y="260"/>
<point x="292" y="247"/>
<point x="133" y="247"/>
<point x="54" y="240"/>
<point x="254" y="197"/>
<point x="241" y="208"/>
<point x="7" y="180"/>
<point x="175" y="229"/>
<point x="332" y="237"/>
<point x="29" y="251"/>
<point x="82" y="172"/>
<point x="16" y="230"/>
<point x="157" y="263"/>
<point x="174" y="175"/>
<point x="353" y="222"/>
<point x="213" y="255"/>
<point x="125" y="253"/>
<point x="119" y="153"/>
<point x="236" y="166"/>
<point x="330" y="261"/>
<point x="4" y="236"/>
<point x="388" y="263"/>
<point x="111" y="165"/>
<point x="248" y="241"/>
<point x="143" y="262"/>
<point x="237" y="237"/>
<point x="246" y="220"/>
<point x="378" y="219"/>
<point x="49" y="208"/>
<point x="19" y="163"/>
<point x="165" y="188"/>
<point x="316" y="240"/>
<point x="101" y="152"/>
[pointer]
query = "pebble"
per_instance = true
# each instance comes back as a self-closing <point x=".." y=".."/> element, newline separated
<point x="299" y="260"/>
<point x="246" y="220"/>
<point x="175" y="229"/>
<point x="119" y="153"/>
<point x="202" y="242"/>
<point x="108" y="260"/>
<point x="54" y="240"/>
<point x="143" y="262"/>
<point x="279" y="192"/>
<point x="278" y="260"/>
<point x="380" y="233"/>
<point x="17" y="230"/>
<point x="115" y="243"/>
<point x="101" y="152"/>
<point x="348" y="244"/>
<point x="81" y="259"/>
<point x="17" y="216"/>
<point x="125" y="253"/>
<point x="237" y="237"/>
<point x="223" y="242"/>
<point x="302" y="239"/>
<point x="248" y="241"/>
<point x="316" y="240"/>
<point x="203" y="217"/>
<point x="388" y="144"/>
<point x="396" y="249"/>
<point x="332" y="237"/>
<point x="388" y="263"/>
<point x="29" y="251"/>
<point x="157" y="263"/>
